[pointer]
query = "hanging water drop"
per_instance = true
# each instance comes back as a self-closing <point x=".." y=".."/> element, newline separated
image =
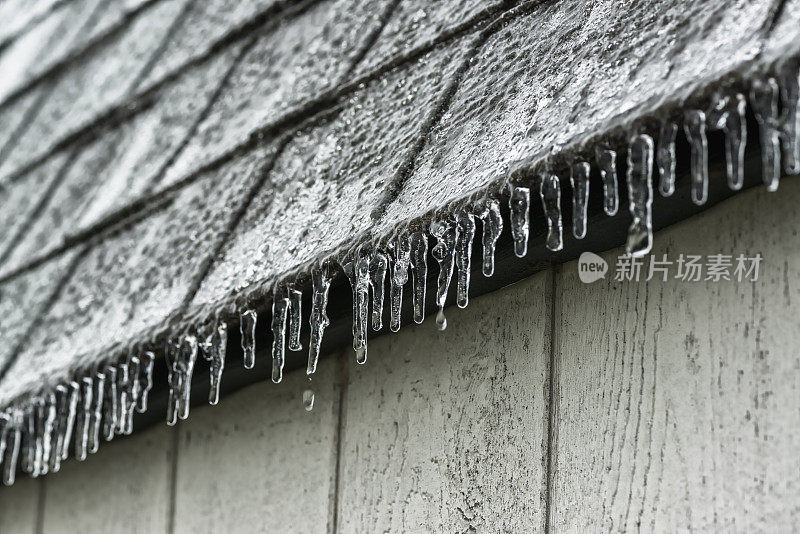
<point x="308" y="400"/>
<point x="607" y="162"/>
<point x="519" y="204"/>
<point x="402" y="258"/>
<point x="727" y="114"/>
<point x="640" y="195"/>
<point x="215" y="349"/>
<point x="419" y="272"/>
<point x="357" y="272"/>
<point x="321" y="284"/>
<point x="145" y="380"/>
<point x="280" y="311"/>
<point x="694" y="126"/>
<point x="84" y="421"/>
<point x="377" y="281"/>
<point x="294" y="317"/>
<point x="443" y="252"/>
<point x="550" y="193"/>
<point x="492" y="221"/>
<point x="110" y="403"/>
<point x="97" y="411"/>
<point x="464" y="235"/>
<point x="665" y="155"/>
<point x="247" y="327"/>
<point x="764" y="101"/>
<point x="789" y="76"/>
<point x="579" y="180"/>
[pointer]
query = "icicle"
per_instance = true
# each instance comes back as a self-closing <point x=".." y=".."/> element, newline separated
<point x="12" y="437"/>
<point x="789" y="76"/>
<point x="665" y="155"/>
<point x="492" y="221"/>
<point x="607" y="162"/>
<point x="181" y="356"/>
<point x="215" y="347"/>
<point x="321" y="284"/>
<point x="519" y="204"/>
<point x="419" y="272"/>
<point x="294" y="317"/>
<point x="377" y="281"/>
<point x="444" y="253"/>
<point x="727" y="114"/>
<point x="464" y="235"/>
<point x="124" y="386"/>
<point x="99" y="395"/>
<point x="48" y="422"/>
<point x="694" y="126"/>
<point x="174" y="379"/>
<point x="399" y="278"/>
<point x="28" y="445"/>
<point x="247" y="327"/>
<point x="5" y="420"/>
<point x="357" y="272"/>
<point x="83" y="424"/>
<point x="110" y="403"/>
<point x="764" y="101"/>
<point x="640" y="195"/>
<point x="550" y="193"/>
<point x="73" y="397"/>
<point x="136" y="384"/>
<point x="579" y="180"/>
<point x="280" y="309"/>
<point x="39" y="415"/>
<point x="145" y="380"/>
<point x="57" y="440"/>
<point x="308" y="400"/>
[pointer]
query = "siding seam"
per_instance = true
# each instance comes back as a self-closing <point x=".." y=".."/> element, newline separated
<point x="552" y="400"/>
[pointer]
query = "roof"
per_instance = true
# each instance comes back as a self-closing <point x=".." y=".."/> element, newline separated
<point x="166" y="164"/>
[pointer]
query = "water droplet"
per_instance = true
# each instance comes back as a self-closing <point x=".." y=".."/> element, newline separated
<point x="519" y="204"/>
<point x="789" y="76"/>
<point x="280" y="312"/>
<point x="377" y="281"/>
<point x="400" y="262"/>
<point x="640" y="195"/>
<point x="419" y="272"/>
<point x="443" y="252"/>
<point x="464" y="236"/>
<point x="694" y="126"/>
<point x="666" y="157"/>
<point x="308" y="400"/>
<point x="606" y="160"/>
<point x="579" y="180"/>
<point x="550" y="193"/>
<point x="321" y="284"/>
<point x="492" y="227"/>
<point x="357" y="272"/>
<point x="727" y="114"/>
<point x="764" y="101"/>
<point x="295" y="318"/>
<point x="441" y="320"/>
<point x="247" y="327"/>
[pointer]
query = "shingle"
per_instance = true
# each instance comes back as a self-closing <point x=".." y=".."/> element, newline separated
<point x="17" y="15"/>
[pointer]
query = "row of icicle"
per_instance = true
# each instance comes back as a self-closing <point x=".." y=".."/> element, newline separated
<point x="39" y="434"/>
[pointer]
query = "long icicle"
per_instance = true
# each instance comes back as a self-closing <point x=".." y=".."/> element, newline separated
<point x="321" y="284"/>
<point x="607" y="162"/>
<point x="295" y="315"/>
<point x="357" y="272"/>
<point x="400" y="263"/>
<point x="550" y="193"/>
<point x="727" y="114"/>
<point x="519" y="204"/>
<point x="280" y="313"/>
<point x="640" y="195"/>
<point x="466" y="233"/>
<point x="247" y="327"/>
<point x="419" y="272"/>
<point x="489" y="214"/>
<point x="694" y="126"/>
<point x="377" y="282"/>
<point x="764" y="101"/>
<point x="446" y="234"/>
<point x="579" y="180"/>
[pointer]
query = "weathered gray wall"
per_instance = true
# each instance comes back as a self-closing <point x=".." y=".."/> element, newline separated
<point x="606" y="407"/>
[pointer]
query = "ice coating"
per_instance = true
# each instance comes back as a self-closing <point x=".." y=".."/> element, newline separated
<point x="84" y="422"/>
<point x="147" y="359"/>
<point x="446" y="234"/>
<point x="579" y="180"/>
<point x="97" y="411"/>
<point x="492" y="222"/>
<point x="247" y="327"/>
<point x="640" y="195"/>
<point x="665" y="157"/>
<point x="401" y="260"/>
<point x="607" y="162"/>
<point x="419" y="273"/>
<point x="519" y="204"/>
<point x="727" y="114"/>
<point x="788" y="72"/>
<point x="694" y="126"/>
<point x="357" y="272"/>
<point x="550" y="193"/>
<point x="377" y="282"/>
<point x="280" y="312"/>
<point x="465" y="224"/>
<point x="764" y="101"/>
<point x="215" y="348"/>
<point x="295" y="317"/>
<point x="318" y="320"/>
<point x="110" y="403"/>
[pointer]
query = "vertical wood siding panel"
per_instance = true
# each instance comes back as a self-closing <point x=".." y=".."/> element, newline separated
<point x="19" y="506"/>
